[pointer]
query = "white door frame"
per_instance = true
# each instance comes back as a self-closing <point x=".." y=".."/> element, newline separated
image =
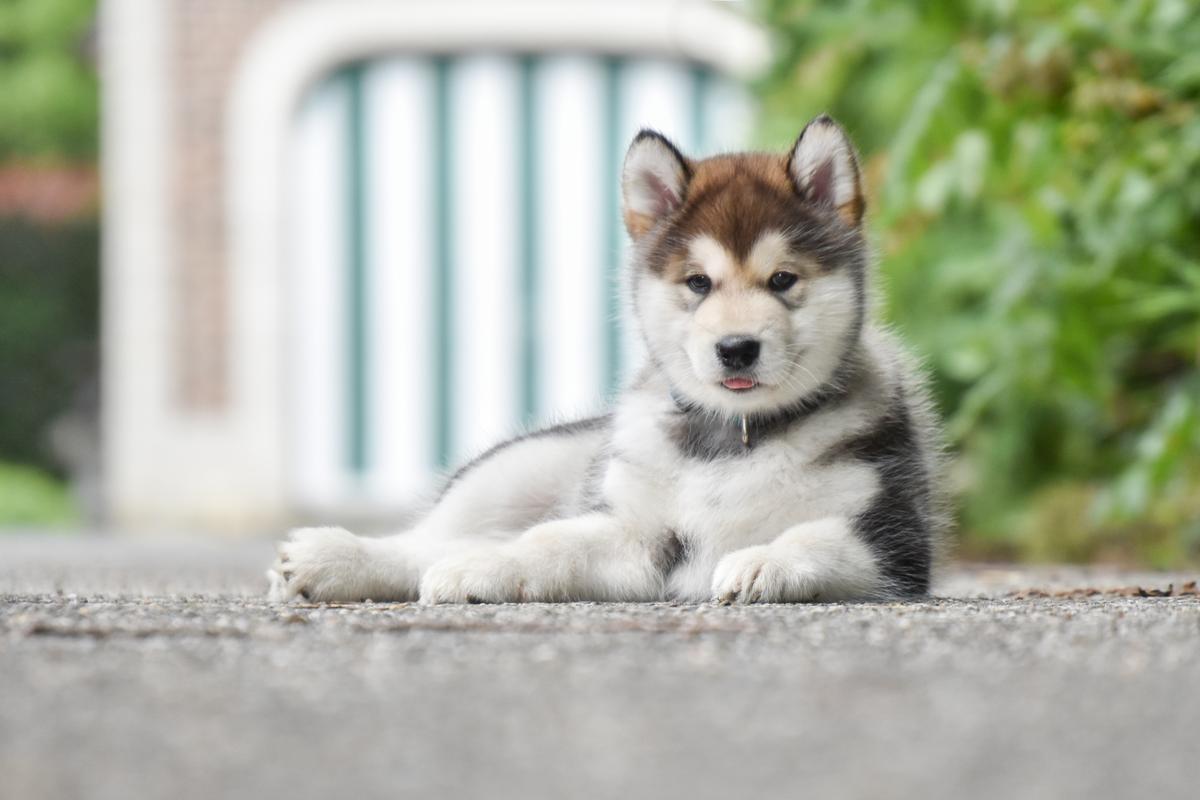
<point x="304" y="41"/>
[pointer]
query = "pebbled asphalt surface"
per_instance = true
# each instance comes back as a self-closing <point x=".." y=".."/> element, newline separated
<point x="154" y="668"/>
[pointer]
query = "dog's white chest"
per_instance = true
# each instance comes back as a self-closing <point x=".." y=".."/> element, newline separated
<point x="740" y="501"/>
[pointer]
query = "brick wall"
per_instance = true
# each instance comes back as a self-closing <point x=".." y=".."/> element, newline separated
<point x="208" y="38"/>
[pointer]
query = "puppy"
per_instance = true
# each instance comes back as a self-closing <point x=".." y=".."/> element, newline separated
<point x="777" y="446"/>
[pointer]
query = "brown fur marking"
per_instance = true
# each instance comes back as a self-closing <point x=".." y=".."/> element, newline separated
<point x="734" y="199"/>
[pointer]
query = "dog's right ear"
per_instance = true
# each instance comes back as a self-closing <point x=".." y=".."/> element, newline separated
<point x="653" y="181"/>
<point x="825" y="171"/>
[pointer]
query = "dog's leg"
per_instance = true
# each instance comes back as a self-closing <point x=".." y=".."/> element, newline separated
<point x="500" y="495"/>
<point x="821" y="560"/>
<point x="334" y="565"/>
<point x="591" y="557"/>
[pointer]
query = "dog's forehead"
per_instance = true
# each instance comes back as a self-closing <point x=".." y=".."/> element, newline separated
<point x="736" y="200"/>
<point x="771" y="251"/>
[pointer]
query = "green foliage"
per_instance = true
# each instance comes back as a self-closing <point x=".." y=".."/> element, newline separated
<point x="30" y="497"/>
<point x="49" y="298"/>
<point x="1034" y="170"/>
<point x="50" y="101"/>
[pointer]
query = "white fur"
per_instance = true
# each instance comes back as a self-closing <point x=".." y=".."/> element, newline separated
<point x="712" y="258"/>
<point x="771" y="252"/>
<point x="652" y="178"/>
<point x="820" y="560"/>
<point x="590" y="557"/>
<point x="823" y="142"/>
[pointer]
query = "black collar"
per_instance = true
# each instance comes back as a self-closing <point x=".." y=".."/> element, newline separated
<point x="706" y="434"/>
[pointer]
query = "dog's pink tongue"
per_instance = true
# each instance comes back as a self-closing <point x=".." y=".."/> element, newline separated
<point x="738" y="383"/>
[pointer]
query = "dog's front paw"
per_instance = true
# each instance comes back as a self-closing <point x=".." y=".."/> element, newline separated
<point x="760" y="575"/>
<point x="319" y="564"/>
<point x="482" y="576"/>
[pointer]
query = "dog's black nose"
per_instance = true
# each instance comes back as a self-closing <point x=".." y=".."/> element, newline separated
<point x="738" y="352"/>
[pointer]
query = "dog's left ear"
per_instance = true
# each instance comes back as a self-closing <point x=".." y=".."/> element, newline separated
<point x="824" y="169"/>
<point x="654" y="181"/>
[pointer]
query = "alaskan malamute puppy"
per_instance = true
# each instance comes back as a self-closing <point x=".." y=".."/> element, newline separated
<point x="776" y="447"/>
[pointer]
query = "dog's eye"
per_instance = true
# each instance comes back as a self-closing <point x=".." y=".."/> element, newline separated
<point x="782" y="281"/>
<point x="700" y="284"/>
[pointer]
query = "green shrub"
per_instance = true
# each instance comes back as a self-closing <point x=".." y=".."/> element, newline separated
<point x="1034" y="170"/>
<point x="30" y="497"/>
<point x="49" y="297"/>
<point x="50" y="105"/>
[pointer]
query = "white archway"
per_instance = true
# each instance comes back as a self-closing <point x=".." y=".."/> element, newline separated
<point x="301" y="43"/>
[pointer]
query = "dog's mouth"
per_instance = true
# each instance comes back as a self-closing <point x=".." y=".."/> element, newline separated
<point x="739" y="384"/>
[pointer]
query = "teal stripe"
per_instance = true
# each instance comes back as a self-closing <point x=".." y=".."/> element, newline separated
<point x="357" y="312"/>
<point x="611" y="160"/>
<point x="701" y="83"/>
<point x="528" y="210"/>
<point x="443" y="281"/>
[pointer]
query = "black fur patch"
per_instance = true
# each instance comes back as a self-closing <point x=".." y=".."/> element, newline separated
<point x="896" y="525"/>
<point x="707" y="436"/>
<point x="673" y="553"/>
<point x="585" y="425"/>
<point x="698" y="434"/>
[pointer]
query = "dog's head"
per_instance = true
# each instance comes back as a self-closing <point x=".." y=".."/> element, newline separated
<point x="749" y="269"/>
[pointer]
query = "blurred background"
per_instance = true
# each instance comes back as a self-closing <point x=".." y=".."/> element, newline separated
<point x="343" y="245"/>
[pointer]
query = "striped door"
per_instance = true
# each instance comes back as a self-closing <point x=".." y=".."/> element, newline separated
<point x="455" y="241"/>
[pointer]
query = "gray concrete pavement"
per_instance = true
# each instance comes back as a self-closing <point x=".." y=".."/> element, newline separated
<point x="154" y="669"/>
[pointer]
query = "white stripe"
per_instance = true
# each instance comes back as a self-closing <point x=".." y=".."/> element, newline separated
<point x="316" y="318"/>
<point x="485" y="228"/>
<point x="398" y="94"/>
<point x="571" y="236"/>
<point x="658" y="94"/>
<point x="729" y="114"/>
<point x="571" y="250"/>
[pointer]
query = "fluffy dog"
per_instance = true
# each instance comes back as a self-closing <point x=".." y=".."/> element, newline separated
<point x="777" y="446"/>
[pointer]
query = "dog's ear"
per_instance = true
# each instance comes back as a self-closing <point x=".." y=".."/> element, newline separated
<point x="653" y="181"/>
<point x="824" y="169"/>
